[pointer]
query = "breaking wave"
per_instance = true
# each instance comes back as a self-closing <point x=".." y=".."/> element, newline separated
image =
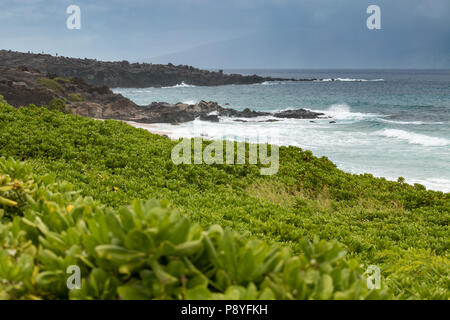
<point x="411" y="122"/>
<point x="181" y="85"/>
<point x="349" y="80"/>
<point x="342" y="111"/>
<point x="414" y="138"/>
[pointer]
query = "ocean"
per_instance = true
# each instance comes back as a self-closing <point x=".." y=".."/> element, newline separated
<point x="390" y="123"/>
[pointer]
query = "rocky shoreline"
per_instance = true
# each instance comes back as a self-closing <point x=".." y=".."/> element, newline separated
<point x="127" y="75"/>
<point x="23" y="86"/>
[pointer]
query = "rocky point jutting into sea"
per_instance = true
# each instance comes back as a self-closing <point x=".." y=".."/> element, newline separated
<point x="124" y="74"/>
<point x="23" y="85"/>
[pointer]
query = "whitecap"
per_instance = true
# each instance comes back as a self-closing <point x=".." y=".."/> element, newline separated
<point x="181" y="85"/>
<point x="349" y="80"/>
<point x="410" y="122"/>
<point x="414" y="138"/>
<point x="270" y="83"/>
<point x="342" y="111"/>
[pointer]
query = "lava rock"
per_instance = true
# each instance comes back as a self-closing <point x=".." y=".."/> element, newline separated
<point x="211" y="118"/>
<point x="298" y="114"/>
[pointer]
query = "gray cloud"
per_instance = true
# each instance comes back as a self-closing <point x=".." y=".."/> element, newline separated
<point x="236" y="33"/>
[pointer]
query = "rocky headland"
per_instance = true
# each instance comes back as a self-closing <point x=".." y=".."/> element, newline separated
<point x="124" y="74"/>
<point x="23" y="86"/>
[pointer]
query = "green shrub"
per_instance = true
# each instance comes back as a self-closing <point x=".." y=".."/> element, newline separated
<point x="76" y="97"/>
<point x="148" y="251"/>
<point x="51" y="84"/>
<point x="60" y="79"/>
<point x="57" y="105"/>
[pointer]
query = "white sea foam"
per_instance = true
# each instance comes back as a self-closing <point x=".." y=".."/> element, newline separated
<point x="268" y="83"/>
<point x="414" y="138"/>
<point x="342" y="111"/>
<point x="273" y="83"/>
<point x="180" y="85"/>
<point x="433" y="183"/>
<point x="349" y="80"/>
<point x="410" y="122"/>
<point x="189" y="101"/>
<point x="436" y="184"/>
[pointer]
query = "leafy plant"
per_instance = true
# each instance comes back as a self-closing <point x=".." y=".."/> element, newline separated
<point x="149" y="251"/>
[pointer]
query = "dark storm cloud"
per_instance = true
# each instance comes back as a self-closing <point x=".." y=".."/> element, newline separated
<point x="236" y="33"/>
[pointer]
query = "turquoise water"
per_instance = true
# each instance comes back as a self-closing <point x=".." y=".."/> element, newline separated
<point x="388" y="123"/>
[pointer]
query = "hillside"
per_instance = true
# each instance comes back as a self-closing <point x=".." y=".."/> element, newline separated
<point x="124" y="74"/>
<point x="401" y="228"/>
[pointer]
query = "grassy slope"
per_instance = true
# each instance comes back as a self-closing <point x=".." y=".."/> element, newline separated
<point x="401" y="228"/>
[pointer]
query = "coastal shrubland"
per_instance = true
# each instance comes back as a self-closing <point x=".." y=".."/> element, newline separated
<point x="149" y="251"/>
<point x="403" y="229"/>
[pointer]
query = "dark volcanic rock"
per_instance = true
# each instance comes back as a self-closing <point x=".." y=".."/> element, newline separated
<point x="125" y="74"/>
<point x="21" y="88"/>
<point x="298" y="114"/>
<point x="270" y="120"/>
<point x="17" y="88"/>
<point x="20" y="96"/>
<point x="212" y="118"/>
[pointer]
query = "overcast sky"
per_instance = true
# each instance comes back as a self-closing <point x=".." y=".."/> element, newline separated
<point x="236" y="33"/>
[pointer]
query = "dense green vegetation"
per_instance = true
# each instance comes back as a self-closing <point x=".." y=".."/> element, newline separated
<point x="401" y="228"/>
<point x="148" y="251"/>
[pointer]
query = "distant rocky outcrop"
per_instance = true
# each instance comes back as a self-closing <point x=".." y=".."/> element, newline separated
<point x="124" y="74"/>
<point x="297" y="114"/>
<point x="23" y="86"/>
